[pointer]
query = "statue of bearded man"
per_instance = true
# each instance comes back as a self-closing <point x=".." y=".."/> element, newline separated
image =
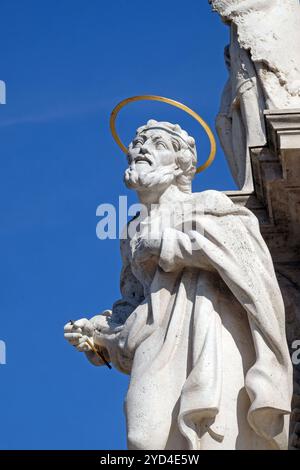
<point x="200" y="326"/>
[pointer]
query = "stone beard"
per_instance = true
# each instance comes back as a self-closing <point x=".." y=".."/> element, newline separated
<point x="200" y="324"/>
<point x="134" y="180"/>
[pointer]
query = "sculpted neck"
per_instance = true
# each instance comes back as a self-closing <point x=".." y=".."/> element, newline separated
<point x="167" y="195"/>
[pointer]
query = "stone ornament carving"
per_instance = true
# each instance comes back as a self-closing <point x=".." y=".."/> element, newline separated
<point x="200" y="325"/>
<point x="263" y="60"/>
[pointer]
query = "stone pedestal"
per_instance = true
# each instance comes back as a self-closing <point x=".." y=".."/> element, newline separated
<point x="276" y="203"/>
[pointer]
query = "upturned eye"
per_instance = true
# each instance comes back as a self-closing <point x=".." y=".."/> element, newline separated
<point x="160" y="145"/>
<point x="176" y="145"/>
<point x="138" y="143"/>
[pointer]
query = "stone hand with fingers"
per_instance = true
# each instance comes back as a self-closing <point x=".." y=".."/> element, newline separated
<point x="82" y="333"/>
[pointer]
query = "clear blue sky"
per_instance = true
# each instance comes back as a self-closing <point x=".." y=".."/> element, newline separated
<point x="66" y="64"/>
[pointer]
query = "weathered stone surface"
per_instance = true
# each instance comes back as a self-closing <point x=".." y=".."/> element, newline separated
<point x="276" y="203"/>
<point x="200" y="324"/>
<point x="263" y="62"/>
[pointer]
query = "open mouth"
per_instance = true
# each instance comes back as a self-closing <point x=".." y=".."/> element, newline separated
<point x="143" y="159"/>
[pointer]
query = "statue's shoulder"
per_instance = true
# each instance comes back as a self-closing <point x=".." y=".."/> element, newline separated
<point x="213" y="201"/>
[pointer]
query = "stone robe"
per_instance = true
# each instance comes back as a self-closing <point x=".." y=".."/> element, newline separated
<point x="201" y="330"/>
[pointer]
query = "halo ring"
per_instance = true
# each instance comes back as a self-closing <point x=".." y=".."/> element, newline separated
<point x="177" y="104"/>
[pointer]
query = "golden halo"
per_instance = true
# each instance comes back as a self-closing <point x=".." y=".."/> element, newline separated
<point x="182" y="106"/>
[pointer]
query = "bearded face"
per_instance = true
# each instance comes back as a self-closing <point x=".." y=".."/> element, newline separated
<point x="152" y="160"/>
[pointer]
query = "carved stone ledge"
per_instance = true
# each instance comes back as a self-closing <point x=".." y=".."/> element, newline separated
<point x="283" y="131"/>
<point x="276" y="203"/>
<point x="276" y="175"/>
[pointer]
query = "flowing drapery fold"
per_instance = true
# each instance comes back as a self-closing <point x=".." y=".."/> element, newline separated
<point x="171" y="342"/>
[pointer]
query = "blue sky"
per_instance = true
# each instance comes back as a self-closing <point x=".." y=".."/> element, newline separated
<point x="66" y="64"/>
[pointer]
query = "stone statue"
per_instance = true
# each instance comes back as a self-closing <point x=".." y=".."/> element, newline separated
<point x="263" y="60"/>
<point x="200" y="325"/>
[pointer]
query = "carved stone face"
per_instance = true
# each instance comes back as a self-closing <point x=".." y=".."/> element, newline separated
<point x="152" y="160"/>
<point x="152" y="150"/>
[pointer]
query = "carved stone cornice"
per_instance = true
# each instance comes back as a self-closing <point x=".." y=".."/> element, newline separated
<point x="276" y="203"/>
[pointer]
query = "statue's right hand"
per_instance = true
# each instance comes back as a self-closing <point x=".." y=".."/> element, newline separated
<point x="77" y="333"/>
